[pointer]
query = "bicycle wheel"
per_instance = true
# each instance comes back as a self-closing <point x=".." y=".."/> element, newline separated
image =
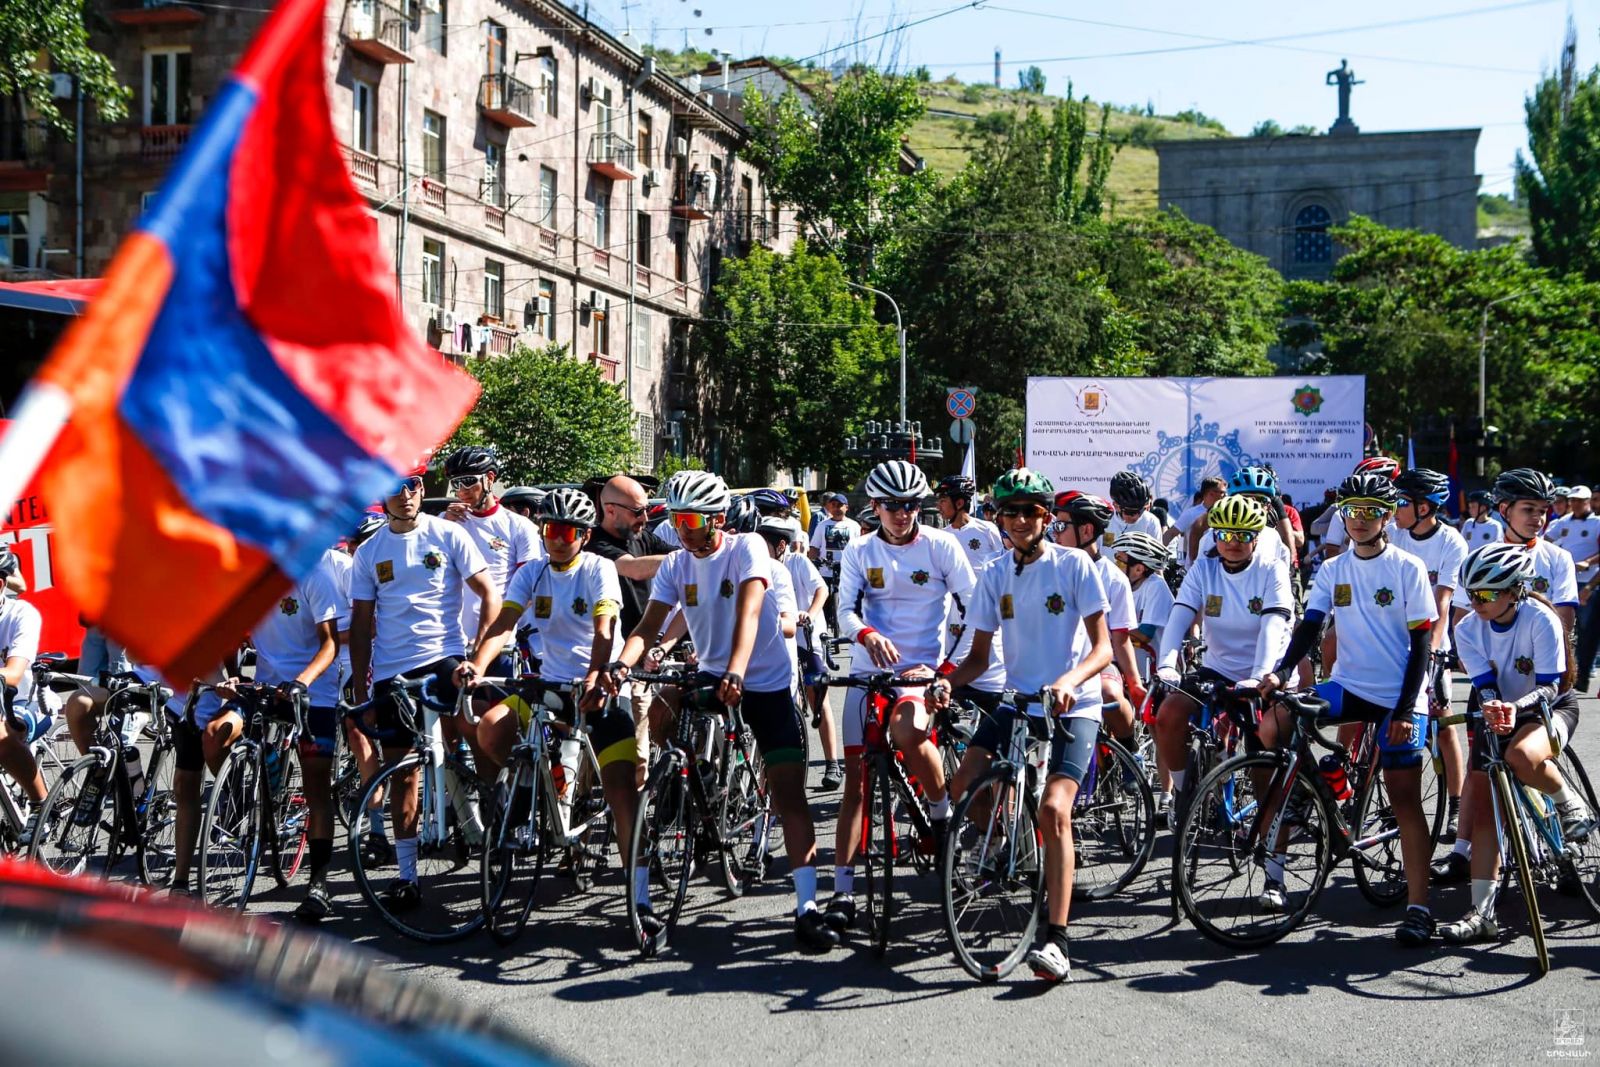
<point x="992" y="876"/>
<point x="1113" y="829"/>
<point x="1581" y="863"/>
<point x="743" y="816"/>
<point x="589" y="854"/>
<point x="1219" y="866"/>
<point x="664" y="846"/>
<point x="802" y="718"/>
<point x="160" y="849"/>
<point x="78" y="821"/>
<point x="1516" y="855"/>
<point x="231" y="834"/>
<point x="293" y="815"/>
<point x="1379" y="866"/>
<point x="879" y="848"/>
<point x="55" y="752"/>
<point x="1435" y="796"/>
<point x="449" y="882"/>
<point x="513" y="854"/>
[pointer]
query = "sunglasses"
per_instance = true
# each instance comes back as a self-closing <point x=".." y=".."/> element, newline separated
<point x="465" y="481"/>
<point x="635" y="512"/>
<point x="1237" y="537"/>
<point x="412" y="484"/>
<point x="1363" y="512"/>
<point x="690" y="520"/>
<point x="564" y="532"/>
<point x="1022" y="511"/>
<point x="897" y="507"/>
<point x="1484" y="596"/>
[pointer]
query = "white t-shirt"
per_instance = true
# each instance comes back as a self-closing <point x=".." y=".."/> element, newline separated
<point x="1121" y="615"/>
<point x="286" y="637"/>
<point x="1146" y="523"/>
<point x="1230" y="609"/>
<point x="807" y="582"/>
<point x="1553" y="576"/>
<point x="20" y="623"/>
<point x="1580" y="538"/>
<point x="1441" y="552"/>
<point x="506" y="540"/>
<point x="1042" y="610"/>
<point x="830" y="538"/>
<point x="979" y="539"/>
<point x="668" y="534"/>
<point x="1186" y="520"/>
<point x="1480" y="532"/>
<point x="780" y="591"/>
<point x="1152" y="604"/>
<point x="1514" y="659"/>
<point x="1268" y="544"/>
<point x="416" y="581"/>
<point x="1375" y="603"/>
<point x="707" y="591"/>
<point x="900" y="591"/>
<point x="1337" y="534"/>
<point x="561" y="604"/>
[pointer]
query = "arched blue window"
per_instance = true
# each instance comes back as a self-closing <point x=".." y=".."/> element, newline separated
<point x="1311" y="241"/>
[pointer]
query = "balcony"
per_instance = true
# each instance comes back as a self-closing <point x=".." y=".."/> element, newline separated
<point x="549" y="241"/>
<point x="24" y="145"/>
<point x="379" y="31"/>
<point x="694" y="195"/>
<point x="612" y="156"/>
<point x="494" y="218"/>
<point x="498" y="339"/>
<point x="432" y="194"/>
<point x="641" y="279"/>
<point x="363" y="168"/>
<point x="507" y="101"/>
<point x="602" y="260"/>
<point x="608" y="367"/>
<point x="154" y="13"/>
<point x="162" y="144"/>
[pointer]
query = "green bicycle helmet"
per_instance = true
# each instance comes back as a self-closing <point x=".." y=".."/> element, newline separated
<point x="1023" y="486"/>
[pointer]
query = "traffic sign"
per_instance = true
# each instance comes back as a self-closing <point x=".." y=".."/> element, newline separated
<point x="960" y="404"/>
<point x="961" y="431"/>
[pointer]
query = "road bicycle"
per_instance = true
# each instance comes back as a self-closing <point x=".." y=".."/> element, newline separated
<point x="47" y="739"/>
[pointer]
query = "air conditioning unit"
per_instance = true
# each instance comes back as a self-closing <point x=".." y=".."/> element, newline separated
<point x="429" y="7"/>
<point x="680" y="147"/>
<point x="652" y="179"/>
<point x="592" y="89"/>
<point x="544" y="305"/>
<point x="444" y="321"/>
<point x="672" y="431"/>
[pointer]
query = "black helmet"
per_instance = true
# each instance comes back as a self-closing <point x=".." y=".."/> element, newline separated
<point x="1524" y="483"/>
<point x="1368" y="487"/>
<point x="957" y="485"/>
<point x="1084" y="510"/>
<point x="1129" y="491"/>
<point x="1481" y="496"/>
<point x="743" y="515"/>
<point x="1420" y="483"/>
<point x="9" y="563"/>
<point x="370" y="524"/>
<point x="471" y="459"/>
<point x="522" y="496"/>
<point x="771" y="502"/>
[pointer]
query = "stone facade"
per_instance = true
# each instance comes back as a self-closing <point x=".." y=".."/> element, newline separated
<point x="534" y="177"/>
<point x="1277" y="196"/>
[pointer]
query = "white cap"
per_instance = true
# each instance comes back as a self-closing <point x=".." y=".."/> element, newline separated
<point x="1579" y="492"/>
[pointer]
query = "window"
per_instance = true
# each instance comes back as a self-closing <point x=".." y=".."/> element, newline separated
<point x="646" y="138"/>
<point x="642" y="321"/>
<point x="1311" y="241"/>
<point x="645" y="429"/>
<point x="166" y="88"/>
<point x="602" y="213"/>
<point x="747" y="199"/>
<point x="494" y="55"/>
<point x="494" y="289"/>
<point x="716" y="176"/>
<point x="432" y="271"/>
<point x="545" y="310"/>
<point x="602" y="326"/>
<point x="547" y="198"/>
<point x="364" y="118"/>
<point x="548" y="70"/>
<point x="433" y="145"/>
<point x="642" y="254"/>
<point x="602" y="118"/>
<point x="435" y="26"/>
<point x="680" y="254"/>
<point x="14" y="250"/>
<point x="494" y="174"/>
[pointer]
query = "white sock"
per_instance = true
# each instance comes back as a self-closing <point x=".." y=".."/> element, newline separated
<point x="805" y="889"/>
<point x="940" y="809"/>
<point x="1484" y="890"/>
<point x="1562" y="796"/>
<point x="641" y="886"/>
<point x="405" y="854"/>
<point x="379" y="824"/>
<point x="1177" y="780"/>
<point x="844" y="881"/>
<point x="1462" y="848"/>
<point x="1275" y="866"/>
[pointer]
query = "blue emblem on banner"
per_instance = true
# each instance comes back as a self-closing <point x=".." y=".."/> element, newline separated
<point x="1175" y="468"/>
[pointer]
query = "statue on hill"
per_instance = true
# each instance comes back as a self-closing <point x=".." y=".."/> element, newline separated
<point x="1345" y="79"/>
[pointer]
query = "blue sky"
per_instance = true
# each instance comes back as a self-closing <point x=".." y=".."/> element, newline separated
<point x="1453" y="63"/>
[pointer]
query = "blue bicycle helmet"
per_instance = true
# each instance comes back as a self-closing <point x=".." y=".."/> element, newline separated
<point x="1253" y="480"/>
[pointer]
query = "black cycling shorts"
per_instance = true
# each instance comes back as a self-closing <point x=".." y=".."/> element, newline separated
<point x="187" y="753"/>
<point x="773" y="719"/>
<point x="1563" y="716"/>
<point x="391" y="731"/>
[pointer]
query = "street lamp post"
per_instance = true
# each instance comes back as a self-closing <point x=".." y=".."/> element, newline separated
<point x="1483" y="374"/>
<point x="900" y="329"/>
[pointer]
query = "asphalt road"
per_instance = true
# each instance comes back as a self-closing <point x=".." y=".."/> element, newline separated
<point x="733" y="987"/>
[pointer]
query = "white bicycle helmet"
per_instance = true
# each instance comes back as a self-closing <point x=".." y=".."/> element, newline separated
<point x="571" y="506"/>
<point x="699" y="491"/>
<point x="1497" y="567"/>
<point x="896" y="480"/>
<point x="1142" y="548"/>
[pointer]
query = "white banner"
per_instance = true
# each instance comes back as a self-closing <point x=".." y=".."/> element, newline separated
<point x="1176" y="431"/>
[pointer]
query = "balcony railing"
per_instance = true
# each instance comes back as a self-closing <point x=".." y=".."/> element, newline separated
<point x="499" y="340"/>
<point x="25" y="143"/>
<point x="549" y="241"/>
<point x="612" y="156"/>
<point x="161" y="144"/>
<point x="602" y="260"/>
<point x="494" y="218"/>
<point x="608" y="366"/>
<point x="641" y="278"/>
<point x="378" y="30"/>
<point x="363" y="168"/>
<point x="507" y="101"/>
<point x="432" y="191"/>
<point x="153" y="13"/>
<point x="694" y="195"/>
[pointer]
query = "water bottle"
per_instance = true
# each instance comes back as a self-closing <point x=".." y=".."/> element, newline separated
<point x="87" y="809"/>
<point x="35" y="722"/>
<point x="133" y="765"/>
<point x="1332" y="769"/>
<point x="565" y="769"/>
<point x="464" y="800"/>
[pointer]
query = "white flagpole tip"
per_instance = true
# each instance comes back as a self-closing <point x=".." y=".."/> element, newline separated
<point x="37" y="421"/>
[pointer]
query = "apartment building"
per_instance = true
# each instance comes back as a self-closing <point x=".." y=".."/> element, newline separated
<point x="535" y="176"/>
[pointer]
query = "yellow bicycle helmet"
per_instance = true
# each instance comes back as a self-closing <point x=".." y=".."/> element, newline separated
<point x="1237" y="513"/>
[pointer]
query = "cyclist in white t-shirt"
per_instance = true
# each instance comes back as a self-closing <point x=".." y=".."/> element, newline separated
<point x="1047" y="598"/>
<point x="1385" y="609"/>
<point x="831" y="535"/>
<point x="505" y="538"/>
<point x="1145" y="560"/>
<point x="1193" y="521"/>
<point x="1481" y="526"/>
<point x="785" y="541"/>
<point x="1130" y="497"/>
<point x="20" y="623"/>
<point x="982" y="541"/>
<point x="894" y="593"/>
<point x="1578" y="534"/>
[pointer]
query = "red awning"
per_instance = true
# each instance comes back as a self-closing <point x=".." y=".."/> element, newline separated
<point x="64" y="296"/>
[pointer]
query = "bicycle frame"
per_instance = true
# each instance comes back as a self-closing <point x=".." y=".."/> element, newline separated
<point x="1535" y="813"/>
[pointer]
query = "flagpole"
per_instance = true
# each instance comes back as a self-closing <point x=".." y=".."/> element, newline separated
<point x="41" y="414"/>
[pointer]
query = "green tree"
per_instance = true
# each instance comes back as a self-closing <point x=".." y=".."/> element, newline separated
<point x="552" y="418"/>
<point x="38" y="36"/>
<point x="788" y="360"/>
<point x="1267" y="128"/>
<point x="1405" y="309"/>
<point x="1557" y="177"/>
<point x="840" y="167"/>
<point x="1031" y="80"/>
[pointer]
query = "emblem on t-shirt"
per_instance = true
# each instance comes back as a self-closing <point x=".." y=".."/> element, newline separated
<point x="691" y="595"/>
<point x="1433" y="577"/>
<point x="1111" y="538"/>
<point x="1523" y="664"/>
<point x="1006" y="611"/>
<point x="1541" y="584"/>
<point x="1055" y="604"/>
<point x="919" y="577"/>
<point x="580" y="606"/>
<point x="1563" y="532"/>
<point x="497" y="544"/>
<point x="385" y="570"/>
<point x="875" y="577"/>
<point x="289" y="606"/>
<point x="1383" y="597"/>
<point x="956" y="630"/>
<point x="541" y="607"/>
<point x="1341" y="595"/>
<point x="1255" y="605"/>
<point x="972" y="543"/>
<point x="433" y="560"/>
<point x="1214" y="606"/>
<point x="725" y="590"/>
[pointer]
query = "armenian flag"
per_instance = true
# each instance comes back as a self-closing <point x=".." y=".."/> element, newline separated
<point x="244" y="384"/>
